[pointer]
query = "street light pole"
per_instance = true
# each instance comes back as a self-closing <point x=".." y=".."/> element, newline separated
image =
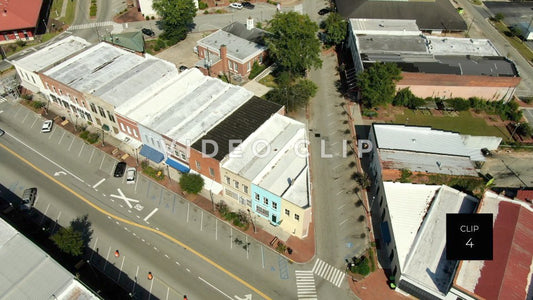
<point x="103" y="144"/>
<point x="516" y="125"/>
<point x="252" y="220"/>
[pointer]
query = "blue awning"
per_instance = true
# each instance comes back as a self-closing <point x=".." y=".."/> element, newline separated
<point x="176" y="165"/>
<point x="385" y="232"/>
<point x="152" y="154"/>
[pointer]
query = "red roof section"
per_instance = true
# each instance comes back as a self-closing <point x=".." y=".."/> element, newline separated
<point x="525" y="194"/>
<point x="506" y="276"/>
<point x="19" y="14"/>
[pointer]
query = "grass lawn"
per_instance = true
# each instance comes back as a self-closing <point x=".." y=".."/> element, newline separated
<point x="55" y="11"/>
<point x="269" y="81"/>
<point x="464" y="123"/>
<point x="69" y="15"/>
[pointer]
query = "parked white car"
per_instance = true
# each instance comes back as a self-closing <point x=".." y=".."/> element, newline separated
<point x="47" y="126"/>
<point x="236" y="5"/>
<point x="131" y="173"/>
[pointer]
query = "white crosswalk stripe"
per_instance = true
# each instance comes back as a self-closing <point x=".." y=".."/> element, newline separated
<point x="305" y="284"/>
<point x="91" y="25"/>
<point x="328" y="272"/>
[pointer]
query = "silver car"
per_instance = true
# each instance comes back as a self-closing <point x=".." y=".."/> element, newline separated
<point x="131" y="173"/>
<point x="47" y="126"/>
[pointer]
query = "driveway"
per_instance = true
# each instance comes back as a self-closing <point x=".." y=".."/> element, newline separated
<point x="182" y="53"/>
<point x="508" y="168"/>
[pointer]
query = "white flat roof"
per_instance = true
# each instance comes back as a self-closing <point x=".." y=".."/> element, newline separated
<point x="408" y="204"/>
<point x="460" y="46"/>
<point x="298" y="193"/>
<point x="384" y="26"/>
<point x="423" y="139"/>
<point x="51" y="54"/>
<point x="237" y="47"/>
<point x="187" y="107"/>
<point x="28" y="272"/>
<point x="95" y="67"/>
<point x="141" y="81"/>
<point x="426" y="263"/>
<point x="251" y="156"/>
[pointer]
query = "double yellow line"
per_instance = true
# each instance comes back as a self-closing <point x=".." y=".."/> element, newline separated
<point x="163" y="234"/>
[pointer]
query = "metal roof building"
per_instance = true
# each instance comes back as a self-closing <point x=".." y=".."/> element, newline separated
<point x="29" y="273"/>
<point x="508" y="274"/>
<point x="417" y="214"/>
<point x="113" y="74"/>
<point x="187" y="106"/>
<point x="427" y="140"/>
<point x="36" y="59"/>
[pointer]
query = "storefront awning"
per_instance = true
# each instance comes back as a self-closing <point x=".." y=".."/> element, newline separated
<point x="152" y="154"/>
<point x="178" y="166"/>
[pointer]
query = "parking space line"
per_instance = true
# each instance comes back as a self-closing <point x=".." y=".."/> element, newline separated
<point x="71" y="144"/>
<point x="24" y="119"/>
<point x="79" y="154"/>
<point x="135" y="281"/>
<point x="168" y="290"/>
<point x="173" y="203"/>
<point x="188" y="212"/>
<point x="120" y="271"/>
<point x="61" y="138"/>
<point x="92" y="153"/>
<point x="216" y="229"/>
<point x="151" y="285"/>
<point x="102" y="163"/>
<point x="45" y="211"/>
<point x="201" y="220"/>
<point x="343" y="222"/>
<point x="94" y="246"/>
<point x="51" y="134"/>
<point x="34" y="121"/>
<point x="107" y="257"/>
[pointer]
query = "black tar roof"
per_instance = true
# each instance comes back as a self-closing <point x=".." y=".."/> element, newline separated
<point x="429" y="15"/>
<point x="254" y="35"/>
<point x="238" y="126"/>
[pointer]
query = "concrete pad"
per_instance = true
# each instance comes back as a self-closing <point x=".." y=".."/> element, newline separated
<point x="257" y="88"/>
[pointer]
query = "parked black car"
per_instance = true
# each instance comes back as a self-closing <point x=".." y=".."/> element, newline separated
<point x="148" y="32"/>
<point x="248" y="5"/>
<point x="120" y="169"/>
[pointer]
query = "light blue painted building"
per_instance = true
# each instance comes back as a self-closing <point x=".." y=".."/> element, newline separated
<point x="266" y="204"/>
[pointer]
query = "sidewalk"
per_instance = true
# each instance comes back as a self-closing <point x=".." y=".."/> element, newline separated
<point x="303" y="250"/>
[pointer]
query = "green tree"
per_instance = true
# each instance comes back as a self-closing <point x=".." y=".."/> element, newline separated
<point x="335" y="28"/>
<point x="377" y="84"/>
<point x="293" y="42"/>
<point x="191" y="183"/>
<point x="69" y="241"/>
<point x="176" y="18"/>
<point x="293" y="95"/>
<point x="499" y="17"/>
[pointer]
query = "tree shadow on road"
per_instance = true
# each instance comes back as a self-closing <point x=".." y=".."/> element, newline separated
<point x="83" y="225"/>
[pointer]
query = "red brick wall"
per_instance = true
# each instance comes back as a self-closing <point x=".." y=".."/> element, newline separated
<point x="205" y="164"/>
<point x="127" y="122"/>
<point x="65" y="90"/>
<point x="465" y="86"/>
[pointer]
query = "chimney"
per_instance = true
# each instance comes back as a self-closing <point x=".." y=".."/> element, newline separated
<point x="224" y="58"/>
<point x="249" y="23"/>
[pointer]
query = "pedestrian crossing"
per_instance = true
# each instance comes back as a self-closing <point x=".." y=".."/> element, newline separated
<point x="328" y="272"/>
<point x="305" y="284"/>
<point x="91" y="25"/>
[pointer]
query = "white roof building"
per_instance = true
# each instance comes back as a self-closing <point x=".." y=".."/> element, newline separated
<point x="187" y="106"/>
<point x="29" y="273"/>
<point x="384" y="26"/>
<point x="113" y="74"/>
<point x="418" y="224"/>
<point x="274" y="157"/>
<point x="41" y="58"/>
<point x="427" y="140"/>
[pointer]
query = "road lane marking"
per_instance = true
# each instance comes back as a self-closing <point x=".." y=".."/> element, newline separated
<point x="98" y="183"/>
<point x="151" y="214"/>
<point x="37" y="152"/>
<point x="123" y="197"/>
<point x="147" y="228"/>
<point x="215" y="288"/>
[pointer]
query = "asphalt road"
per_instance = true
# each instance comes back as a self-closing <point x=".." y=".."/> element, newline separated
<point x="210" y="262"/>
